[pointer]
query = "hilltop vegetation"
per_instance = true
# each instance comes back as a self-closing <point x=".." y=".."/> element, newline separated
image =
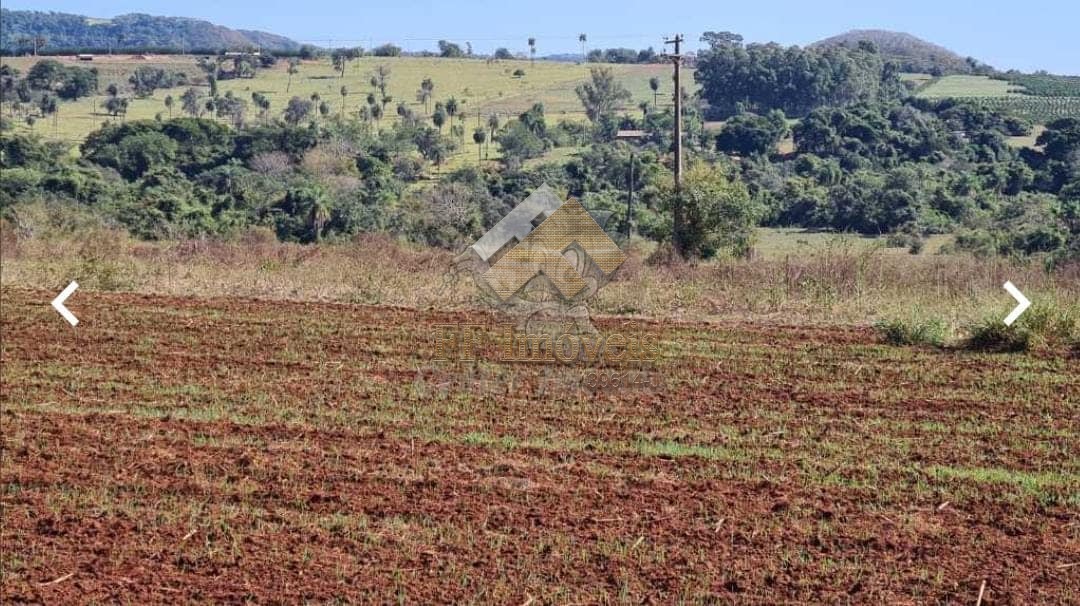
<point x="736" y="77"/>
<point x="31" y="31"/>
<point x="910" y="53"/>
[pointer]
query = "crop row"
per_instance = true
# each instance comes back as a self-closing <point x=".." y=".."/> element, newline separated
<point x="1036" y="109"/>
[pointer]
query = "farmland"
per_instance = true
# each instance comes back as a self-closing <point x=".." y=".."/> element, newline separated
<point x="224" y="410"/>
<point x="1047" y="99"/>
<point x="320" y="440"/>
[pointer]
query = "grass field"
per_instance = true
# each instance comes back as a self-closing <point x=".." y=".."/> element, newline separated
<point x="969" y="86"/>
<point x="775" y="243"/>
<point x="478" y="86"/>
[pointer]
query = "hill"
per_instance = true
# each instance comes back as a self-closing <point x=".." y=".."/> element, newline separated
<point x="133" y="31"/>
<point x="914" y="54"/>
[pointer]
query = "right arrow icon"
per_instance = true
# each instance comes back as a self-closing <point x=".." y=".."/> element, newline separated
<point x="1022" y="303"/>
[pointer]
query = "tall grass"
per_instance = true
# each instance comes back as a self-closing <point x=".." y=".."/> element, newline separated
<point x="837" y="284"/>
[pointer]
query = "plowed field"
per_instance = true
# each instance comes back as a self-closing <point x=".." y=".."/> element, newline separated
<point x="223" y="450"/>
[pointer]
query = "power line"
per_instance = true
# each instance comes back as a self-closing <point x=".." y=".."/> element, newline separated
<point x="370" y="40"/>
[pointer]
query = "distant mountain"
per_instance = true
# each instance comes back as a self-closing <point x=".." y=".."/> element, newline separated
<point x="133" y="31"/>
<point x="270" y="41"/>
<point x="912" y="53"/>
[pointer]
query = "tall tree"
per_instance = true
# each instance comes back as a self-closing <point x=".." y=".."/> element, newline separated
<point x="338" y="60"/>
<point x="427" y="89"/>
<point x="381" y="79"/>
<point x="365" y="116"/>
<point x="532" y="50"/>
<point x="189" y="101"/>
<point x="452" y="109"/>
<point x="318" y="213"/>
<point x="439" y="117"/>
<point x="262" y="102"/>
<point x="297" y="110"/>
<point x="654" y="84"/>
<point x="602" y="94"/>
<point x="293" y="69"/>
<point x="169" y="104"/>
<point x="340" y="57"/>
<point x="479" y="136"/>
<point x="493" y="125"/>
<point x="344" y="93"/>
<point x="582" y="38"/>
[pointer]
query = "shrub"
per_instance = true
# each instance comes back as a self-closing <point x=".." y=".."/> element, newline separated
<point x="991" y="334"/>
<point x="931" y="331"/>
<point x="1044" y="325"/>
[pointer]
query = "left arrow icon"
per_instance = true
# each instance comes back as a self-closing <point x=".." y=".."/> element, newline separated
<point x="58" y="303"/>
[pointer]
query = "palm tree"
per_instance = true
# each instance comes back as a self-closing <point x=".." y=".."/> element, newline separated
<point x="493" y="125"/>
<point x="169" y="104"/>
<point x="318" y="215"/>
<point x="582" y="38"/>
<point x="451" y="109"/>
<point x="365" y="116"/>
<point x="344" y="93"/>
<point x="377" y="114"/>
<point x="294" y="68"/>
<point x="423" y="97"/>
<point x="479" y="136"/>
<point x="439" y="117"/>
<point x="427" y="89"/>
<point x="262" y="102"/>
<point x="654" y="84"/>
<point x="644" y="107"/>
<point x="532" y="50"/>
<point x="381" y="79"/>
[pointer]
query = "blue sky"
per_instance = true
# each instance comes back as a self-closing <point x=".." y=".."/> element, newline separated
<point x="1028" y="36"/>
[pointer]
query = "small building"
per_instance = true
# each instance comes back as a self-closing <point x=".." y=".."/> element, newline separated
<point x="84" y="57"/>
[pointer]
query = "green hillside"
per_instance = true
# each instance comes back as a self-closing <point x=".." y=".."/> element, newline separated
<point x="913" y="54"/>
<point x="477" y="85"/>
<point x="19" y="29"/>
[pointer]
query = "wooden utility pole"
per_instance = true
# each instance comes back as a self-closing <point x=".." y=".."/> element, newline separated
<point x="677" y="211"/>
<point x="630" y="200"/>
